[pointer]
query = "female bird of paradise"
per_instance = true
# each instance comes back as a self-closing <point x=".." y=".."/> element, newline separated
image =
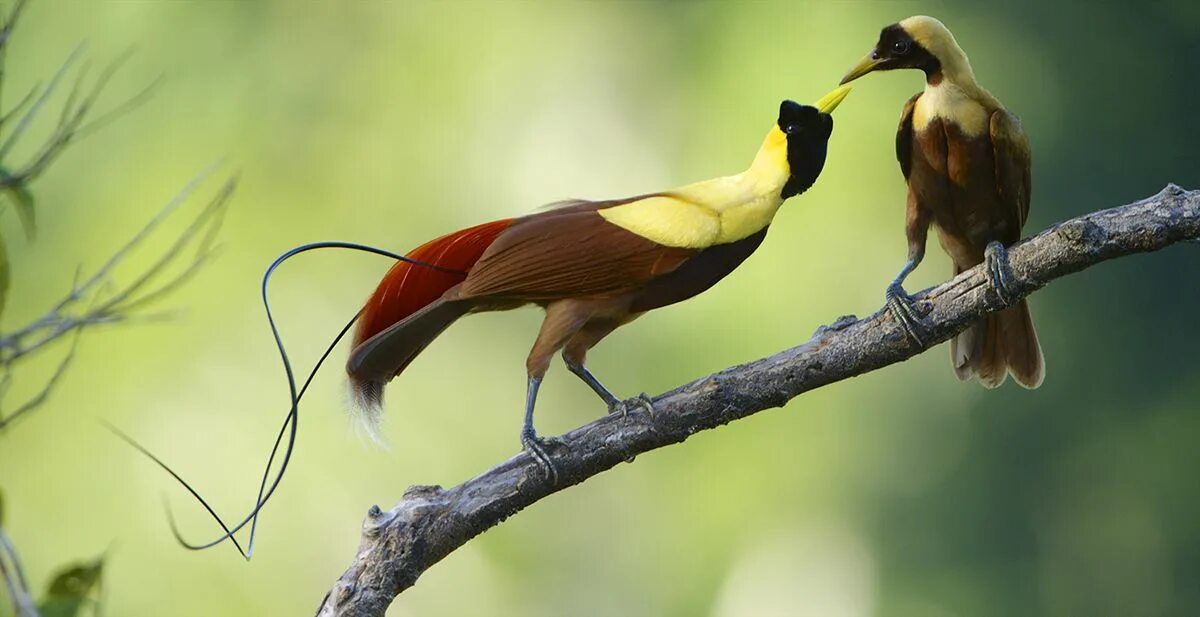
<point x="966" y="160"/>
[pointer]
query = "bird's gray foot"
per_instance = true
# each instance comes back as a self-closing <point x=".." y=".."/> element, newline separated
<point x="999" y="272"/>
<point x="642" y="401"/>
<point x="536" y="447"/>
<point x="903" y="310"/>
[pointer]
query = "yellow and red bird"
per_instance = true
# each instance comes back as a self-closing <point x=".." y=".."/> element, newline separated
<point x="592" y="265"/>
<point x="967" y="163"/>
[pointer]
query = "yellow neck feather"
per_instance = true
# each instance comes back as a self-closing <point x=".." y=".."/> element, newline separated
<point x="717" y="211"/>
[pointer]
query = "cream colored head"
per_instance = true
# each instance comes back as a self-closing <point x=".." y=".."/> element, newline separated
<point x="919" y="42"/>
<point x="932" y="35"/>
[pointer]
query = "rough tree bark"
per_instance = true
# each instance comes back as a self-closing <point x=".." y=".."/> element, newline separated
<point x="430" y="522"/>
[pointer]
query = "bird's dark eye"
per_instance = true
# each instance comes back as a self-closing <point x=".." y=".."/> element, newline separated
<point x="900" y="48"/>
<point x="792" y="129"/>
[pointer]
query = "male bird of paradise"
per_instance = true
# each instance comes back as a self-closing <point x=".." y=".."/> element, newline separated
<point x="967" y="164"/>
<point x="592" y="265"/>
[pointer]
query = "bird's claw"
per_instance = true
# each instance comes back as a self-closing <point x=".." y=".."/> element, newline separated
<point x="642" y="401"/>
<point x="903" y="310"/>
<point x="536" y="447"/>
<point x="999" y="272"/>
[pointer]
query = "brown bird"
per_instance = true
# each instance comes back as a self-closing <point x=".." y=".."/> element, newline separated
<point x="967" y="164"/>
<point x="592" y="265"/>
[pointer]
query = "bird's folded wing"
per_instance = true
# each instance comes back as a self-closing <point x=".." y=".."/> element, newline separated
<point x="1011" y="150"/>
<point x="563" y="254"/>
<point x="904" y="136"/>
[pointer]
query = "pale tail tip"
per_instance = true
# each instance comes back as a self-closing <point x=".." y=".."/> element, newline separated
<point x="366" y="406"/>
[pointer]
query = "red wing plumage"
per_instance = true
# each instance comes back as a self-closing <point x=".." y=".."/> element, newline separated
<point x="407" y="288"/>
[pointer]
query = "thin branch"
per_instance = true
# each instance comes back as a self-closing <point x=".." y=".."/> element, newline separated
<point x="37" y="399"/>
<point x="72" y="124"/>
<point x="430" y="522"/>
<point x="6" y="31"/>
<point x="105" y="272"/>
<point x="10" y="114"/>
<point x="14" y="578"/>
<point x="33" y="110"/>
<point x="58" y="318"/>
<point x="201" y="227"/>
<point x="10" y="22"/>
<point x="109" y="303"/>
<point x="121" y="109"/>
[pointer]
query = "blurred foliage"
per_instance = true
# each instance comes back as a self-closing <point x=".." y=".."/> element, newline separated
<point x="5" y="274"/>
<point x="72" y="590"/>
<point x="899" y="493"/>
<point x="22" y="200"/>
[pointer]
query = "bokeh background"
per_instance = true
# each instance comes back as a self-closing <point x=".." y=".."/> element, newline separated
<point x="902" y="492"/>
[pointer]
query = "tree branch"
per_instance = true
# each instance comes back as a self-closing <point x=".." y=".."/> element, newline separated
<point x="100" y="299"/>
<point x="13" y="574"/>
<point x="430" y="522"/>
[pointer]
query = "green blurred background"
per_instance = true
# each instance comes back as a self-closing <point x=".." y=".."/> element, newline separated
<point x="902" y="492"/>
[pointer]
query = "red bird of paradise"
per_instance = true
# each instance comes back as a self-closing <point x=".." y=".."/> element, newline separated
<point x="592" y="265"/>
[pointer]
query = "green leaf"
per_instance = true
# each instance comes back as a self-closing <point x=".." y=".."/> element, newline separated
<point x="1" y="508"/>
<point x="72" y="589"/>
<point x="23" y="200"/>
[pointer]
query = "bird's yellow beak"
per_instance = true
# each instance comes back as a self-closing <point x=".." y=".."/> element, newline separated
<point x="830" y="101"/>
<point x="866" y="65"/>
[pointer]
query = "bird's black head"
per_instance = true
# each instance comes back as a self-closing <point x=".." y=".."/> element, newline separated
<point x="807" y="130"/>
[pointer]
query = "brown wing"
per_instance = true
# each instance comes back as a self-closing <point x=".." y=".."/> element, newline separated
<point x="1011" y="150"/>
<point x="568" y="253"/>
<point x="904" y="136"/>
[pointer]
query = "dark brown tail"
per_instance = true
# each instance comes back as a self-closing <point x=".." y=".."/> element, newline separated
<point x="1002" y="343"/>
<point x="377" y="360"/>
<point x="411" y="306"/>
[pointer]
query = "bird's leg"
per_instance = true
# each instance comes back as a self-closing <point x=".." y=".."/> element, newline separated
<point x="588" y="378"/>
<point x="615" y="405"/>
<point x="563" y="320"/>
<point x="575" y="353"/>
<point x="900" y="304"/>
<point x="534" y="445"/>
<point x="999" y="272"/>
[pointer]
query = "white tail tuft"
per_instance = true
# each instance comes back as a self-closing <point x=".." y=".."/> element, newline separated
<point x="366" y="407"/>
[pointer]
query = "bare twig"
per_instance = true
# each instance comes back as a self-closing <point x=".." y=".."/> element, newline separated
<point x="37" y="399"/>
<point x="430" y="522"/>
<point x="10" y="23"/>
<point x="10" y="114"/>
<point x="100" y="300"/>
<point x="32" y="112"/>
<point x="87" y="304"/>
<point x="73" y="117"/>
<point x="14" y="578"/>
